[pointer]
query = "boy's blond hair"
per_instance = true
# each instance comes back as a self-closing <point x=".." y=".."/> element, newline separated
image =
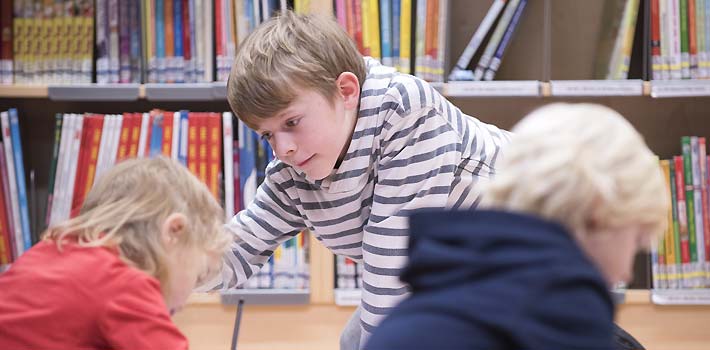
<point x="128" y="205"/>
<point x="285" y="55"/>
<point x="581" y="164"/>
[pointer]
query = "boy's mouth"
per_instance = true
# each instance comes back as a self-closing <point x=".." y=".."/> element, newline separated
<point x="301" y="164"/>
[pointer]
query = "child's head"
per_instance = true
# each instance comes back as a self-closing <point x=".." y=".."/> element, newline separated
<point x="293" y="67"/>
<point x="160" y="217"/>
<point x="586" y="167"/>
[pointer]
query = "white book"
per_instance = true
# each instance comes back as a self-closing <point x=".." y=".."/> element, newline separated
<point x="73" y="163"/>
<point x="61" y="167"/>
<point x="698" y="208"/>
<point x="228" y="152"/>
<point x="63" y="180"/>
<point x="11" y="179"/>
<point x="115" y="140"/>
<point x="174" y="148"/>
<point x="664" y="69"/>
<point x="102" y="160"/>
<point x="143" y="138"/>
<point x="476" y="41"/>
<point x="493" y="42"/>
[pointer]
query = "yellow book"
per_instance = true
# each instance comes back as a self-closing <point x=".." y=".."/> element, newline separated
<point x="667" y="239"/>
<point x="374" y="27"/>
<point x="405" y="37"/>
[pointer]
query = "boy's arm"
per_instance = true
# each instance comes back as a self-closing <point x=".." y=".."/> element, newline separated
<point x="267" y="222"/>
<point x="419" y="157"/>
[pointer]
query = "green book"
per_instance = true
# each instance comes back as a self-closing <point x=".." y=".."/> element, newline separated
<point x="59" y="118"/>
<point x="689" y="196"/>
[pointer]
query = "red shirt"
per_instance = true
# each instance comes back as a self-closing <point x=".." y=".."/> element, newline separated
<point x="82" y="298"/>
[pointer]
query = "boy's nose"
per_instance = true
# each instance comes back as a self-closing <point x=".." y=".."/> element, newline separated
<point x="284" y="146"/>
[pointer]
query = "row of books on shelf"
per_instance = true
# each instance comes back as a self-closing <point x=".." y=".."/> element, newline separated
<point x="192" y="41"/>
<point x="87" y="145"/>
<point x="681" y="257"/>
<point x="680" y="39"/>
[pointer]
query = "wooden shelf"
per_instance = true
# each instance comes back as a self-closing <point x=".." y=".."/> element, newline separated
<point x="23" y="91"/>
<point x="217" y="91"/>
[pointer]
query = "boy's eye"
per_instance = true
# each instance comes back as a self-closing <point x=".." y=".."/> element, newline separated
<point x="266" y="136"/>
<point x="292" y="122"/>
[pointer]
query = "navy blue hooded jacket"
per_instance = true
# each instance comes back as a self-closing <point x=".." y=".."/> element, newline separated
<point x="496" y="280"/>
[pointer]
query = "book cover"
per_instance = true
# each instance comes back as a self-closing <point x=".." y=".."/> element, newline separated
<point x="228" y="151"/>
<point x="20" y="178"/>
<point x="58" y="125"/>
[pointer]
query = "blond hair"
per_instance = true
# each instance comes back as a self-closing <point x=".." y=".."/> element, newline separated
<point x="128" y="205"/>
<point x="285" y="55"/>
<point x="579" y="164"/>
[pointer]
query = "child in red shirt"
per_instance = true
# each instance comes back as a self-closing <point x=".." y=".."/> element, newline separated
<point x="147" y="235"/>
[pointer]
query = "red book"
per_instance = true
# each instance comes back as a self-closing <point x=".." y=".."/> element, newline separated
<point x="214" y="149"/>
<point x="94" y="143"/>
<point x="5" y="233"/>
<point x="192" y="144"/>
<point x="82" y="165"/>
<point x="357" y="11"/>
<point x="682" y="214"/>
<point x="186" y="48"/>
<point x="655" y="30"/>
<point x="8" y="206"/>
<point x="135" y="134"/>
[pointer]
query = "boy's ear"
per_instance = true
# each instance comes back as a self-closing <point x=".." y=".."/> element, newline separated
<point x="349" y="89"/>
<point x="174" y="226"/>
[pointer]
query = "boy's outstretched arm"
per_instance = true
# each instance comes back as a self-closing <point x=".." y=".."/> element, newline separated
<point x="267" y="222"/>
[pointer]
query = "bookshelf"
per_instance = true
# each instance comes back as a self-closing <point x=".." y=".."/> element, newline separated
<point x="551" y="59"/>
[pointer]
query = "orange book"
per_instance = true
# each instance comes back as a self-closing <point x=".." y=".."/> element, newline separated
<point x="215" y="152"/>
<point x="97" y="125"/>
<point x="192" y="145"/>
<point x="122" y="152"/>
<point x="167" y="133"/>
<point x="135" y="134"/>
<point x="169" y="39"/>
<point x="202" y="147"/>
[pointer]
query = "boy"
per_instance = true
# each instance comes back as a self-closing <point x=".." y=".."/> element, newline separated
<point x="358" y="147"/>
<point x="578" y="195"/>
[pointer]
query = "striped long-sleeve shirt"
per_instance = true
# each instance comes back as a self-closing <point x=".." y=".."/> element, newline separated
<point x="410" y="149"/>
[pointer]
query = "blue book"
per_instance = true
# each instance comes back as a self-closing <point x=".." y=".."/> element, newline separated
<point x="160" y="40"/>
<point x="247" y="164"/>
<point x="156" y="136"/>
<point x="178" y="37"/>
<point x="396" y="15"/>
<point x="182" y="141"/>
<point x="386" y="31"/>
<point x="20" y="178"/>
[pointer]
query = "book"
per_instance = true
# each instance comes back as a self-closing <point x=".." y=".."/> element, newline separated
<point x="505" y="41"/>
<point x="18" y="159"/>
<point x="58" y="125"/>
<point x="228" y="150"/>
<point x="460" y="72"/>
<point x="495" y="39"/>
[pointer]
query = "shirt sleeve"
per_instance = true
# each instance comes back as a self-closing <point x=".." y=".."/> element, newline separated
<point x="267" y="222"/>
<point x="419" y="156"/>
<point x="137" y="318"/>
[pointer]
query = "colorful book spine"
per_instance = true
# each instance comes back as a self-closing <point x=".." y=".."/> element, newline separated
<point x="136" y="67"/>
<point x="699" y="276"/>
<point x="690" y="207"/>
<point x="20" y="177"/>
<point x="156" y="135"/>
<point x="405" y="37"/>
<point x="495" y="39"/>
<point x="684" y="39"/>
<point x="673" y="244"/>
<point x="683" y="223"/>
<point x="179" y="30"/>
<point x="228" y="151"/>
<point x="675" y="29"/>
<point x="475" y="42"/>
<point x="507" y="37"/>
<point x="58" y="124"/>
<point x="700" y="30"/>
<point x="124" y="43"/>
<point x="395" y="25"/>
<point x="6" y="234"/>
<point x="386" y="32"/>
<point x="693" y="40"/>
<point x="6" y="47"/>
<point x="214" y="156"/>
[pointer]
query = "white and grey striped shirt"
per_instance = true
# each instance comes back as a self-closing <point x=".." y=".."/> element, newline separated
<point x="411" y="148"/>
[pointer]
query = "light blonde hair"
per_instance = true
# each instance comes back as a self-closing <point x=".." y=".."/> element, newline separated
<point x="128" y="205"/>
<point x="581" y="164"/>
<point x="285" y="55"/>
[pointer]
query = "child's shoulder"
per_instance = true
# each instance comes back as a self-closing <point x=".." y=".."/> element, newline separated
<point x="403" y="93"/>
